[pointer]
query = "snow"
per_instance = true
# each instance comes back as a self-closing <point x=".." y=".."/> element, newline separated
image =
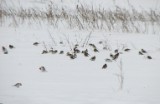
<point x="107" y="4"/>
<point x="78" y="81"/>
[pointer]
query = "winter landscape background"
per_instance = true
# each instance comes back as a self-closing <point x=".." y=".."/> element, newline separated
<point x="79" y="51"/>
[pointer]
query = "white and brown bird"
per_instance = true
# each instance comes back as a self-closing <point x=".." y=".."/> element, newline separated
<point x="115" y="57"/>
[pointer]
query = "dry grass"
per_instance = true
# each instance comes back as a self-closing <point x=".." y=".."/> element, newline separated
<point x="118" y="20"/>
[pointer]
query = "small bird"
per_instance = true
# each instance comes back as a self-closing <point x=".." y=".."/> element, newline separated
<point x="68" y="54"/>
<point x="108" y="60"/>
<point x="100" y="42"/>
<point x="86" y="54"/>
<point x="76" y="45"/>
<point x="93" y="58"/>
<point x="76" y="50"/>
<point x="92" y="45"/>
<point x="143" y="51"/>
<point x="4" y="50"/>
<point x="95" y="50"/>
<point x="61" y="52"/>
<point x="42" y="68"/>
<point x="116" y="56"/>
<point x="35" y="43"/>
<point x="73" y="56"/>
<point x="11" y="46"/>
<point x="149" y="57"/>
<point x="116" y="50"/>
<point x="105" y="48"/>
<point x="18" y="85"/>
<point x="53" y="51"/>
<point x="104" y="66"/>
<point x="140" y="53"/>
<point x="111" y="55"/>
<point x="85" y="51"/>
<point x="60" y="42"/>
<point x="127" y="49"/>
<point x="44" y="52"/>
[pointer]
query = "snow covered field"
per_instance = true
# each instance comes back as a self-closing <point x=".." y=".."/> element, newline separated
<point x="130" y="78"/>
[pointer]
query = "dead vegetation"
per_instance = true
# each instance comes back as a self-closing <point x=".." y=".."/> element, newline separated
<point x="84" y="18"/>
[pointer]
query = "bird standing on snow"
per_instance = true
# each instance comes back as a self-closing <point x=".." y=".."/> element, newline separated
<point x="42" y="68"/>
<point x="95" y="50"/>
<point x="143" y="51"/>
<point x="108" y="60"/>
<point x="85" y="52"/>
<point x="93" y="58"/>
<point x="61" y="52"/>
<point x="92" y="45"/>
<point x="18" y="85"/>
<point x="35" y="43"/>
<point x="111" y="55"/>
<point x="127" y="49"/>
<point x="116" y="56"/>
<point x="4" y="50"/>
<point x="11" y="46"/>
<point x="76" y="50"/>
<point x="116" y="50"/>
<point x="104" y="66"/>
<point x="149" y="57"/>
<point x="140" y="53"/>
<point x="53" y="51"/>
<point x="44" y="52"/>
<point x="73" y="56"/>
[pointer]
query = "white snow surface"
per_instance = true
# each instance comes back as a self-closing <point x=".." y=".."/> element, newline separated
<point x="107" y="4"/>
<point x="78" y="81"/>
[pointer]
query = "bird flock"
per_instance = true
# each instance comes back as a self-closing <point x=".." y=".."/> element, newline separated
<point x="73" y="53"/>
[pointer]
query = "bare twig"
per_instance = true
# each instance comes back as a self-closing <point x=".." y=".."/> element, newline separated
<point x="85" y="43"/>
<point x="52" y="38"/>
<point x="44" y="46"/>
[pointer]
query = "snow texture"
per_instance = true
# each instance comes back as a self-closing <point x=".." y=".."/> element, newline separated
<point x="130" y="79"/>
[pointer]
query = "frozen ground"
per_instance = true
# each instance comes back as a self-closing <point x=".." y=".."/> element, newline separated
<point x="80" y="80"/>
